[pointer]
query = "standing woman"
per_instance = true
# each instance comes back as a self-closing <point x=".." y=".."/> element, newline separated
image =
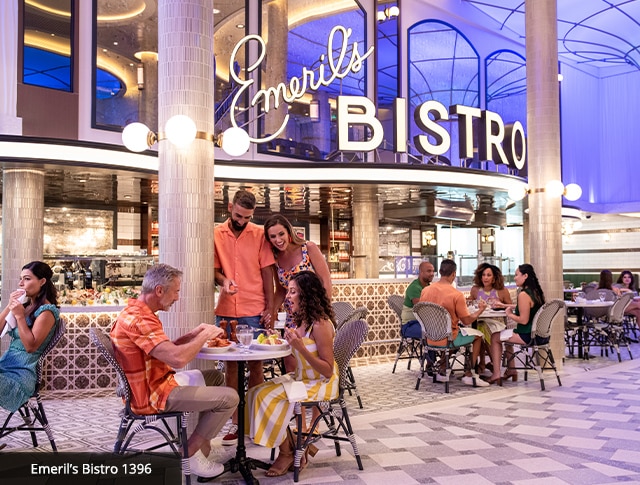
<point x="530" y="299"/>
<point x="35" y="324"/>
<point x="293" y="255"/>
<point x="311" y="341"/>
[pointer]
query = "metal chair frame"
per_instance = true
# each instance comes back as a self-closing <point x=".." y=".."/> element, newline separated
<point x="411" y="346"/>
<point x="610" y="332"/>
<point x="131" y="423"/>
<point x="32" y="413"/>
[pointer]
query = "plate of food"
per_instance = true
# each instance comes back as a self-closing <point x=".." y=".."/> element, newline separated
<point x="218" y="346"/>
<point x="269" y="342"/>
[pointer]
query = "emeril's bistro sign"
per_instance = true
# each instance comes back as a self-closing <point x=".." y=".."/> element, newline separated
<point x="497" y="143"/>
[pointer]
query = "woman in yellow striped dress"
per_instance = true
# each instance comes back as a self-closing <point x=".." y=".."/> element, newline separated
<point x="311" y="341"/>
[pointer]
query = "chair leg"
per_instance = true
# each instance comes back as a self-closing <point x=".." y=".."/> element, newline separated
<point x="350" y="435"/>
<point x="184" y="441"/>
<point x="42" y="417"/>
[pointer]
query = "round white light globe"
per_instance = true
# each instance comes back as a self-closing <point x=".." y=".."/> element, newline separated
<point x="517" y="192"/>
<point x="180" y="130"/>
<point x="134" y="137"/>
<point x="572" y="192"/>
<point x="433" y="242"/>
<point x="554" y="188"/>
<point x="235" y="142"/>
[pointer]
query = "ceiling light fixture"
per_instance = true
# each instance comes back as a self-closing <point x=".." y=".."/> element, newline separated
<point x="554" y="188"/>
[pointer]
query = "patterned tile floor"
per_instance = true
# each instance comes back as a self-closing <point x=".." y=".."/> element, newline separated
<point x="585" y="432"/>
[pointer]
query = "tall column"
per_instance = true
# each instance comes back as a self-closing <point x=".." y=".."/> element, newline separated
<point x="365" y="234"/>
<point x="543" y="126"/>
<point x="10" y="124"/>
<point x="22" y="224"/>
<point x="185" y="176"/>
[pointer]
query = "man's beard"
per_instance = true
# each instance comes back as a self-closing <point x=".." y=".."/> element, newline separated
<point x="238" y="227"/>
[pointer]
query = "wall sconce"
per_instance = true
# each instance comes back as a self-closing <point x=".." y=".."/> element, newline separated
<point x="181" y="131"/>
<point x="314" y="110"/>
<point x="554" y="188"/>
<point x="388" y="13"/>
<point x="140" y="77"/>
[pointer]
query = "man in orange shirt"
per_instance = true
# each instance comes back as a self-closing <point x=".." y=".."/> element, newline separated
<point x="444" y="294"/>
<point x="149" y="358"/>
<point x="244" y="269"/>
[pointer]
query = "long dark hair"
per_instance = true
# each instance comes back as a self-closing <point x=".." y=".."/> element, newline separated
<point x="606" y="280"/>
<point x="531" y="282"/>
<point x="632" y="285"/>
<point x="274" y="220"/>
<point x="498" y="279"/>
<point x="47" y="291"/>
<point x="314" y="302"/>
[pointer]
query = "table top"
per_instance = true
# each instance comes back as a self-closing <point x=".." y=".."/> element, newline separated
<point x="236" y="354"/>
<point x="573" y="290"/>
<point x="588" y="304"/>
<point x="489" y="313"/>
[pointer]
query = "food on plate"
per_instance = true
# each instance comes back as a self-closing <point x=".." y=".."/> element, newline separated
<point x="272" y="339"/>
<point x="218" y="342"/>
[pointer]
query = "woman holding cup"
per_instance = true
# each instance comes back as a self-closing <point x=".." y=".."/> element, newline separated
<point x="34" y="309"/>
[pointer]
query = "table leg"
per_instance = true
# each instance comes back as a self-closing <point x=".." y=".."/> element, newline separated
<point x="241" y="462"/>
<point x="579" y="317"/>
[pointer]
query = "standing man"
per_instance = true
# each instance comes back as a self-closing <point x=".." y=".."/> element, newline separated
<point x="444" y="294"/>
<point x="149" y="358"/>
<point x="244" y="269"/>
<point x="410" y="326"/>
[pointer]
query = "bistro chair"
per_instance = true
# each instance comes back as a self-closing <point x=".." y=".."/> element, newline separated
<point x="341" y="310"/>
<point x="436" y="326"/>
<point x="332" y="413"/>
<point x="410" y="346"/>
<point x="32" y="412"/>
<point x="595" y="314"/>
<point x="537" y="355"/>
<point x="609" y="332"/>
<point x="131" y="424"/>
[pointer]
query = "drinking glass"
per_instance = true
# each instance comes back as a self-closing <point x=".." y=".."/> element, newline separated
<point x="244" y="333"/>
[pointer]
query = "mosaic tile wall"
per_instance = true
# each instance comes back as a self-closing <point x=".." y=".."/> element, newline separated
<point x="76" y="364"/>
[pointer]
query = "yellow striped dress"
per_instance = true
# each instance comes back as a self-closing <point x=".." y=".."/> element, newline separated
<point x="269" y="409"/>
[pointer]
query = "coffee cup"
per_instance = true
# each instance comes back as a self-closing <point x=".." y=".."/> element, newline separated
<point x="282" y="316"/>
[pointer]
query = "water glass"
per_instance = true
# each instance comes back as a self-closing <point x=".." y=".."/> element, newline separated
<point x="244" y="333"/>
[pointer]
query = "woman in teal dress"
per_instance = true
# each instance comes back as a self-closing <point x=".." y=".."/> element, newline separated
<point x="35" y="323"/>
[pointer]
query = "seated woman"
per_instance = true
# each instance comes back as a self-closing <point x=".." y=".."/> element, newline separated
<point x="311" y="342"/>
<point x="35" y="324"/>
<point x="488" y="285"/>
<point x="626" y="284"/>
<point x="530" y="299"/>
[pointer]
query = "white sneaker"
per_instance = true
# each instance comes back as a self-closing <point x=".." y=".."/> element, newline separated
<point x="468" y="380"/>
<point x="441" y="378"/>
<point x="203" y="467"/>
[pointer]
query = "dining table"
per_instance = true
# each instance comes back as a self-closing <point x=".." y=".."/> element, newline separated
<point x="241" y="462"/>
<point x="580" y="305"/>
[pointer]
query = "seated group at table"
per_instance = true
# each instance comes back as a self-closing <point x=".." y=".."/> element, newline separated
<point x="489" y="292"/>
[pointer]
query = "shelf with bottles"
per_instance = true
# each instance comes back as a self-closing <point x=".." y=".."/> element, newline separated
<point x="340" y="235"/>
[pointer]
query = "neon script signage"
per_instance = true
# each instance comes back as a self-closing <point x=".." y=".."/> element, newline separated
<point x="298" y="86"/>
<point x="496" y="142"/>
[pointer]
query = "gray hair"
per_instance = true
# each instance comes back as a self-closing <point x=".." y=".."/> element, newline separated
<point x="159" y="275"/>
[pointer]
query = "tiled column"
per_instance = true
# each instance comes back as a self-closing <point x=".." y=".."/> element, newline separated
<point x="543" y="141"/>
<point x="22" y="223"/>
<point x="365" y="235"/>
<point x="185" y="176"/>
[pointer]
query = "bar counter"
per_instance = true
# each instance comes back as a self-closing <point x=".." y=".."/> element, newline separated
<point x="76" y="364"/>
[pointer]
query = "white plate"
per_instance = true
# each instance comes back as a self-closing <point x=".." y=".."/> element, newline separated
<point x="255" y="345"/>
<point x="218" y="350"/>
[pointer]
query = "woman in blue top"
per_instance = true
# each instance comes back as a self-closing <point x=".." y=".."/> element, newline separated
<point x="35" y="321"/>
<point x="530" y="299"/>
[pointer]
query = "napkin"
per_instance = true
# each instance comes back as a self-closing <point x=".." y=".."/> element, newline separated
<point x="296" y="390"/>
<point x="466" y="331"/>
<point x="11" y="322"/>
<point x="189" y="378"/>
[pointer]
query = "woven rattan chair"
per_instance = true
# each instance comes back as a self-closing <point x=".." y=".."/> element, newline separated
<point x="537" y="355"/>
<point x="610" y="332"/>
<point x="131" y="423"/>
<point x="436" y="326"/>
<point x="341" y="310"/>
<point x="412" y="347"/>
<point x="332" y="413"/>
<point x="32" y="412"/>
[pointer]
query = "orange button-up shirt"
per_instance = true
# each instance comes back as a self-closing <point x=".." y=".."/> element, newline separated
<point x="451" y="299"/>
<point x="241" y="259"/>
<point x="135" y="333"/>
